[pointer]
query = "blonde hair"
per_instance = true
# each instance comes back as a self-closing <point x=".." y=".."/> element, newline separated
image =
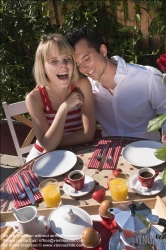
<point x="43" y="52"/>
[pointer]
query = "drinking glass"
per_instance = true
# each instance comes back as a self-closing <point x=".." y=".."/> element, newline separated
<point x="50" y="192"/>
<point x="118" y="186"/>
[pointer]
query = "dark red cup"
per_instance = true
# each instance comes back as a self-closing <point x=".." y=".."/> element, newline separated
<point x="146" y="176"/>
<point x="75" y="179"/>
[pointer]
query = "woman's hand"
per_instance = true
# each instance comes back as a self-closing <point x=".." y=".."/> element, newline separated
<point x="76" y="98"/>
<point x="163" y="139"/>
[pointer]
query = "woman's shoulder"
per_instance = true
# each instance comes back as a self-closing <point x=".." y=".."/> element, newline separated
<point x="83" y="82"/>
<point x="33" y="95"/>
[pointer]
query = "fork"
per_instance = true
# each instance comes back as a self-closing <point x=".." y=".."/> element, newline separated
<point x="35" y="189"/>
<point x="110" y="158"/>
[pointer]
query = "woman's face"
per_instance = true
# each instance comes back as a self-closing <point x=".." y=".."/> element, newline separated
<point x="59" y="68"/>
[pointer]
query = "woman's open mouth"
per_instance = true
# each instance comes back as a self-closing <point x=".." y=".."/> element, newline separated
<point x="62" y="76"/>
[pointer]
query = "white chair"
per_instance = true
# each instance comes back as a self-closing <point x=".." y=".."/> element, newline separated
<point x="15" y="110"/>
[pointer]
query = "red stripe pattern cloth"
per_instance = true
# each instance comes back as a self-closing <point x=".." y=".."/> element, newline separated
<point x="94" y="163"/>
<point x="14" y="192"/>
<point x="73" y="121"/>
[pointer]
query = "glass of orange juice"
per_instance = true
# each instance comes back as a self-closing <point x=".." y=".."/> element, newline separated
<point x="50" y="192"/>
<point x="118" y="186"/>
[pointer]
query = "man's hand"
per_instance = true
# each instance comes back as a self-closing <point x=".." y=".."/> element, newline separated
<point x="163" y="139"/>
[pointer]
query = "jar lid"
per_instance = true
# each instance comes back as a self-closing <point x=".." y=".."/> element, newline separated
<point x="68" y="221"/>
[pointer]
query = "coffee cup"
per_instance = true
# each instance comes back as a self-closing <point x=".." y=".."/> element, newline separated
<point x="146" y="176"/>
<point x="34" y="224"/>
<point x="75" y="179"/>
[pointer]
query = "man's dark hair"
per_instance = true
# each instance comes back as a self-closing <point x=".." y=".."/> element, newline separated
<point x="93" y="38"/>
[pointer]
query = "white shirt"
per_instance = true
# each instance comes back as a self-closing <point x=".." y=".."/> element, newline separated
<point x="138" y="96"/>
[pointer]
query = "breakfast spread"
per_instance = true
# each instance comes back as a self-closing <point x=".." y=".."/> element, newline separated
<point x="11" y="239"/>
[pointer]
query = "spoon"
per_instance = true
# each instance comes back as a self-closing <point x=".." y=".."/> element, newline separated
<point x="18" y="215"/>
<point x="110" y="158"/>
<point x="21" y="195"/>
<point x="98" y="157"/>
<point x="35" y="189"/>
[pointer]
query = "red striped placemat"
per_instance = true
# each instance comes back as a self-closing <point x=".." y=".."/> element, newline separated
<point x="94" y="163"/>
<point x="14" y="192"/>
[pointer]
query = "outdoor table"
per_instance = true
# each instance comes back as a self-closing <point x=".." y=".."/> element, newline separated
<point x="84" y="153"/>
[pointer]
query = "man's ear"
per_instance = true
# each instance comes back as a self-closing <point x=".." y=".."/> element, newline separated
<point x="103" y="49"/>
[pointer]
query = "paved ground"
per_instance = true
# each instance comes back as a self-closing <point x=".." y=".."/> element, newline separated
<point x="8" y="164"/>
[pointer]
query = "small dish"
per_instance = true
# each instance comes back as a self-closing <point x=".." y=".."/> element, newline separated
<point x="137" y="187"/>
<point x="88" y="186"/>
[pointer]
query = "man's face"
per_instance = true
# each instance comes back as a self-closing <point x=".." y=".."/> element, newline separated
<point x="90" y="62"/>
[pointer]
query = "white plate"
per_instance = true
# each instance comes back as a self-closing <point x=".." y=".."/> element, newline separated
<point x="141" y="153"/>
<point x="155" y="189"/>
<point x="88" y="186"/>
<point x="54" y="163"/>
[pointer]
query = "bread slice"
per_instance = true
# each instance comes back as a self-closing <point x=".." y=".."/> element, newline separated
<point x="14" y="240"/>
<point x="23" y="243"/>
<point x="7" y="242"/>
<point x="5" y="232"/>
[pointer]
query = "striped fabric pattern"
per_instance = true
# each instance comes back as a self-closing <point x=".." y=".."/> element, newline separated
<point x="94" y="163"/>
<point x="73" y="120"/>
<point x="14" y="192"/>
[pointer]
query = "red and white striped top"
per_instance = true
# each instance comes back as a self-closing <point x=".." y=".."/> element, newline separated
<point x="73" y="120"/>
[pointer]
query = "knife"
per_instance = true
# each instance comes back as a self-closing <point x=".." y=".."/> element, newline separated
<point x="27" y="189"/>
<point x="104" y="156"/>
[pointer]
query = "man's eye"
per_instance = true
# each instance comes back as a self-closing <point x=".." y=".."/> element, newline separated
<point x="86" y="59"/>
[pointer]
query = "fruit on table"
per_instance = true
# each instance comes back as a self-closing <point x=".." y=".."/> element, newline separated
<point x="104" y="206"/>
<point x="90" y="237"/>
<point x="99" y="195"/>
<point x="116" y="172"/>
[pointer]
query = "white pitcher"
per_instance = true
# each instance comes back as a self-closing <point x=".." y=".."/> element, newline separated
<point x="35" y="224"/>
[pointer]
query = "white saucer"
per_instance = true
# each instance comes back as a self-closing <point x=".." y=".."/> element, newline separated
<point x="137" y="188"/>
<point x="88" y="186"/>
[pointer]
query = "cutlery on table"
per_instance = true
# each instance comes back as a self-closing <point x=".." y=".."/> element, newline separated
<point x="104" y="156"/>
<point x="110" y="158"/>
<point x="27" y="188"/>
<point x="98" y="157"/>
<point x="21" y="195"/>
<point x="35" y="189"/>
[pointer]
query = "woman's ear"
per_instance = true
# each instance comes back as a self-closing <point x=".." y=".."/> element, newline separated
<point x="103" y="49"/>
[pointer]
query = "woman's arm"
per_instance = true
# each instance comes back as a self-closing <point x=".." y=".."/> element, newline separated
<point x="50" y="136"/>
<point x="88" y="117"/>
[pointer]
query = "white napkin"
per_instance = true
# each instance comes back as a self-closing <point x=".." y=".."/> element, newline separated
<point x="139" y="187"/>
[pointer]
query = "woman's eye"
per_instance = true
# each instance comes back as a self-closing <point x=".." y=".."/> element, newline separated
<point x="68" y="59"/>
<point x="55" y="62"/>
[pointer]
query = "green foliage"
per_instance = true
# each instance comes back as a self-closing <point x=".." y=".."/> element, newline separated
<point x="156" y="123"/>
<point x="24" y="22"/>
<point x="22" y="25"/>
<point x="160" y="153"/>
<point x="164" y="177"/>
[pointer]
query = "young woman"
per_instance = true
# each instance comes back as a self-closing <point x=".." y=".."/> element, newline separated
<point x="61" y="106"/>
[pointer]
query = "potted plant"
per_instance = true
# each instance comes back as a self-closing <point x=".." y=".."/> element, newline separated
<point x="156" y="123"/>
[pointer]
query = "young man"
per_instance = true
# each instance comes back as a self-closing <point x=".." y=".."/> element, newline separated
<point x="126" y="95"/>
